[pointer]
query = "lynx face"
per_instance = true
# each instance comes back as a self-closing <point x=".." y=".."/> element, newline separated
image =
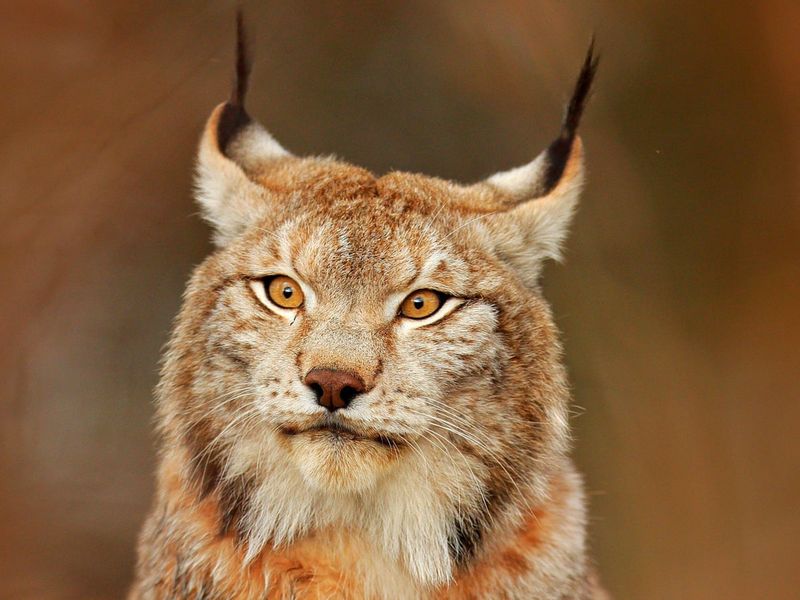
<point x="399" y="373"/>
<point x="370" y="352"/>
<point x="355" y="258"/>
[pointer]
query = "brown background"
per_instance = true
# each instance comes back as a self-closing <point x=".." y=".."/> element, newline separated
<point x="678" y="302"/>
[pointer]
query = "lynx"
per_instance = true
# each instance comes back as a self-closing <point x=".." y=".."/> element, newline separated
<point x="363" y="395"/>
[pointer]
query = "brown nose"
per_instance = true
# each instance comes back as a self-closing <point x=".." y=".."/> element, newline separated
<point x="334" y="389"/>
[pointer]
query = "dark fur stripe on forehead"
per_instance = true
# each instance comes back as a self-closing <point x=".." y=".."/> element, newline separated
<point x="234" y="116"/>
<point x="559" y="151"/>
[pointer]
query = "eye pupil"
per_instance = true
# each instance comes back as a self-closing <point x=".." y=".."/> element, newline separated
<point x="421" y="304"/>
<point x="284" y="291"/>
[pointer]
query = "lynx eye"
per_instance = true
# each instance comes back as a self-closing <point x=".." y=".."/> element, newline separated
<point x="284" y="291"/>
<point x="421" y="304"/>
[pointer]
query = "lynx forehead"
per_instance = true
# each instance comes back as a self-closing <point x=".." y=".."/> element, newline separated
<point x="363" y="395"/>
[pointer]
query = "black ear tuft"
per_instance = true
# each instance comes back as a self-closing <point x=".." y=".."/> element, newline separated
<point x="234" y="116"/>
<point x="244" y="63"/>
<point x="580" y="94"/>
<point x="559" y="151"/>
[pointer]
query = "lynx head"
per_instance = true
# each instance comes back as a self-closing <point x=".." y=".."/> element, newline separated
<point x="369" y="351"/>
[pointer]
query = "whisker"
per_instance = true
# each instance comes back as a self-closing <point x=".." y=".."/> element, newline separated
<point x="450" y="234"/>
<point x="499" y="460"/>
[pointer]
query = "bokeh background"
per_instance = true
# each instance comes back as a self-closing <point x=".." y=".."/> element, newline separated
<point x="679" y="301"/>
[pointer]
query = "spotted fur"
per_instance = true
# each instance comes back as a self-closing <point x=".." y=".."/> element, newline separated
<point x="456" y="483"/>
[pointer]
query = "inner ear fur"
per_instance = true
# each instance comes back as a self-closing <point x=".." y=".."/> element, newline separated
<point x="532" y="231"/>
<point x="537" y="200"/>
<point x="233" y="146"/>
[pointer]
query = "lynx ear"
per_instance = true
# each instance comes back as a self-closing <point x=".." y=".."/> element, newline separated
<point x="538" y="199"/>
<point x="232" y="147"/>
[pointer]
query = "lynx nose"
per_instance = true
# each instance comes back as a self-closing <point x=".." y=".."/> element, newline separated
<point x="334" y="389"/>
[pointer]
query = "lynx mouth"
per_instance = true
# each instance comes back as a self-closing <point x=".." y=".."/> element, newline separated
<point x="339" y="431"/>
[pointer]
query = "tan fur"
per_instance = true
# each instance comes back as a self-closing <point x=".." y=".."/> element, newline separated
<point x="456" y="482"/>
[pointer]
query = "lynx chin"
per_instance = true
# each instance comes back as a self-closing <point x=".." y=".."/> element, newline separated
<point x="363" y="395"/>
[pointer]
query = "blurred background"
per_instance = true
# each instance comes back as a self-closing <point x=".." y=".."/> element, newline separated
<point x="678" y="301"/>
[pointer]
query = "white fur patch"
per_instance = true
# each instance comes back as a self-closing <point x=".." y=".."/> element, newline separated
<point x="521" y="182"/>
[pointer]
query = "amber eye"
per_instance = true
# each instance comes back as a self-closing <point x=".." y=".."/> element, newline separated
<point x="284" y="291"/>
<point x="421" y="304"/>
